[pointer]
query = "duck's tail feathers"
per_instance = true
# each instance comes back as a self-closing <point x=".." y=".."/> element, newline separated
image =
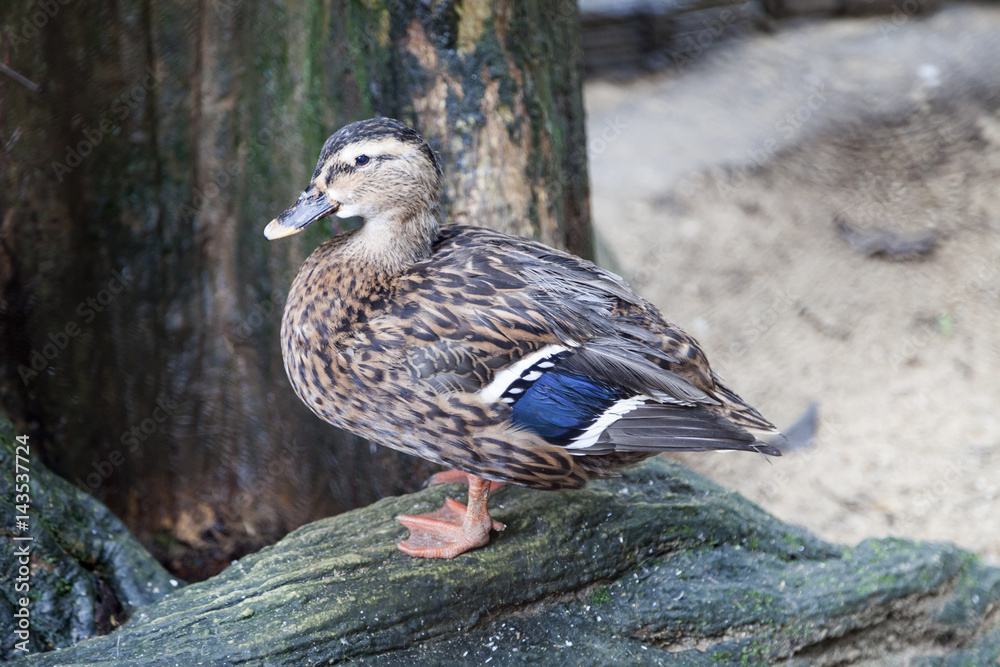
<point x="657" y="427"/>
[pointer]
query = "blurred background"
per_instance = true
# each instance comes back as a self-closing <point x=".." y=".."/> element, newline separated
<point x="817" y="201"/>
<point x="809" y="187"/>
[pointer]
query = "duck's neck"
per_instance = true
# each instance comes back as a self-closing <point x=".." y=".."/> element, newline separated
<point x="394" y="241"/>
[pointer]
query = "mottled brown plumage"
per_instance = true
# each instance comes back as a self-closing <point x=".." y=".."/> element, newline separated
<point x="492" y="354"/>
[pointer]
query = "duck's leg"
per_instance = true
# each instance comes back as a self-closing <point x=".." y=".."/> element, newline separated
<point x="453" y="529"/>
<point x="457" y="477"/>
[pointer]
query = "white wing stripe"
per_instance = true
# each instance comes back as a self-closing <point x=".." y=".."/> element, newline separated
<point x="492" y="392"/>
<point x="589" y="437"/>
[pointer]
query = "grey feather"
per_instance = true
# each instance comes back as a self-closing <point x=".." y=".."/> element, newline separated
<point x="621" y="364"/>
<point x="656" y="427"/>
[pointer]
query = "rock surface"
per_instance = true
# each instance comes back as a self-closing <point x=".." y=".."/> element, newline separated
<point x="87" y="573"/>
<point x="660" y="566"/>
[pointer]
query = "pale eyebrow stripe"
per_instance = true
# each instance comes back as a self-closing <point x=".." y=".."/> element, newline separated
<point x="387" y="146"/>
<point x="383" y="147"/>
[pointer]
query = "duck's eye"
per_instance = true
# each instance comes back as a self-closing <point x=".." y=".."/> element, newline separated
<point x="361" y="160"/>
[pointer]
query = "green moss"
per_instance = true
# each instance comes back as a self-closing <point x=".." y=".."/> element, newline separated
<point x="78" y="548"/>
<point x="794" y="541"/>
<point x="600" y="596"/>
<point x="759" y="601"/>
<point x="340" y="587"/>
<point x="756" y="653"/>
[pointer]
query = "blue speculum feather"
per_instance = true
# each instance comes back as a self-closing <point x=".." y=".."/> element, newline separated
<point x="560" y="406"/>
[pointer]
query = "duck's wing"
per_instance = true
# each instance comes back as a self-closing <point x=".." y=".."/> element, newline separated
<point x="564" y="349"/>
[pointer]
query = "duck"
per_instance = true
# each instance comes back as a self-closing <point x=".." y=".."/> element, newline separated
<point x="498" y="357"/>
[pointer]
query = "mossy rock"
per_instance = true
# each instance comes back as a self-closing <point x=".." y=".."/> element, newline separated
<point x="660" y="566"/>
<point x="87" y="573"/>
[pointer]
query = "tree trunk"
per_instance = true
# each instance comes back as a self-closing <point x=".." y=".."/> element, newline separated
<point x="144" y="155"/>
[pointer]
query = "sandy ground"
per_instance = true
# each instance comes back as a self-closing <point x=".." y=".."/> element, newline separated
<point x="715" y="192"/>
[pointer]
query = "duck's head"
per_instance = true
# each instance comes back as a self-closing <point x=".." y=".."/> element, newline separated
<point x="378" y="169"/>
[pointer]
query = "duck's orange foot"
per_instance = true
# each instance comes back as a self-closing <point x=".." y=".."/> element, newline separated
<point x="456" y="477"/>
<point x="453" y="529"/>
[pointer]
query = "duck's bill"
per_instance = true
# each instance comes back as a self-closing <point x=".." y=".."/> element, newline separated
<point x="311" y="206"/>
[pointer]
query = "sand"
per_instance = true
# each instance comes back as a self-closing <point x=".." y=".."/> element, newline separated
<point x="715" y="192"/>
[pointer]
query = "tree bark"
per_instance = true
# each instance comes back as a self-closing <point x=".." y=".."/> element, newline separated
<point x="659" y="567"/>
<point x="140" y="303"/>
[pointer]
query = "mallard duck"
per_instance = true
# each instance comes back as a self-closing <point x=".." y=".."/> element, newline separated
<point x="491" y="354"/>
